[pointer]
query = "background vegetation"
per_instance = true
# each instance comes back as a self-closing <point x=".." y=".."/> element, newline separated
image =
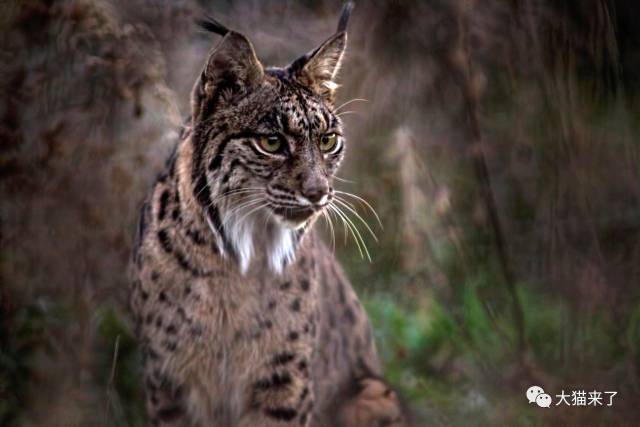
<point x="498" y="143"/>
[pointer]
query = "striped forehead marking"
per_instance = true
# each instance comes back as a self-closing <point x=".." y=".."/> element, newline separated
<point x="303" y="116"/>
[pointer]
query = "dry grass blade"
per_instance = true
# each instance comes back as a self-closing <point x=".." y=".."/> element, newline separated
<point x="112" y="376"/>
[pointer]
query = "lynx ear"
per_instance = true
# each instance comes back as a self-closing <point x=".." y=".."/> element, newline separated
<point x="232" y="68"/>
<point x="318" y="69"/>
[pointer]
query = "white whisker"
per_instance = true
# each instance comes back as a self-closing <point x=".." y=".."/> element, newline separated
<point x="327" y="219"/>
<point x="236" y="209"/>
<point x="349" y="102"/>
<point x="346" y="227"/>
<point x="349" y="112"/>
<point x="363" y="201"/>
<point x="236" y="191"/>
<point x="337" y="178"/>
<point x="353" y="211"/>
<point x="252" y="211"/>
<point x="335" y="216"/>
<point x="354" y="230"/>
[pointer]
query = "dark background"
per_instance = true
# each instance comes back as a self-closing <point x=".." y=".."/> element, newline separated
<point x="499" y="144"/>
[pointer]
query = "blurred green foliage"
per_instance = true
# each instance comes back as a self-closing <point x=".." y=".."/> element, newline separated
<point x="444" y="364"/>
<point x="23" y="334"/>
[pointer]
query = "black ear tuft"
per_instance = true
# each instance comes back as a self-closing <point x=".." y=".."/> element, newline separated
<point x="211" y="25"/>
<point x="344" y="16"/>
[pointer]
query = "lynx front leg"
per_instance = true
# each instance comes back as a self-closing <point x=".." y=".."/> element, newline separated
<point x="165" y="402"/>
<point x="373" y="404"/>
<point x="281" y="394"/>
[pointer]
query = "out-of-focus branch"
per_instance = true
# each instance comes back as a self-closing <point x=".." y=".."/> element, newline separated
<point x="418" y="256"/>
<point x="471" y="85"/>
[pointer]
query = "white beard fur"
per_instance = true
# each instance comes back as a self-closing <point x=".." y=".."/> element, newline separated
<point x="276" y="239"/>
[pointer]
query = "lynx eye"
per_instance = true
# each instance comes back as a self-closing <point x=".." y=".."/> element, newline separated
<point x="328" y="142"/>
<point x="270" y="144"/>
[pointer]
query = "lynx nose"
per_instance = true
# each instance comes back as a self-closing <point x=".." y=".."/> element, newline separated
<point x="317" y="194"/>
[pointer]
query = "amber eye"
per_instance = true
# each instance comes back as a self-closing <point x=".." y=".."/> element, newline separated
<point x="328" y="142"/>
<point x="270" y="144"/>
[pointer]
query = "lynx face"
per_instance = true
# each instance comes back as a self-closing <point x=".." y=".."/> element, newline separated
<point x="287" y="147"/>
<point x="266" y="146"/>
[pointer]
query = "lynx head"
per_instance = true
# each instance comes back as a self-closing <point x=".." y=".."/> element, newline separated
<point x="266" y="144"/>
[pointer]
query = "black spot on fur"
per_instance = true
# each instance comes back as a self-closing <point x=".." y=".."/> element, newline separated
<point x="304" y="284"/>
<point x="165" y="242"/>
<point x="170" y="345"/>
<point x="341" y="295"/>
<point x="150" y="384"/>
<point x="304" y="394"/>
<point x="196" y="237"/>
<point x="179" y="256"/>
<point x="293" y="336"/>
<point x="170" y="413"/>
<point x="283" y="358"/>
<point x="175" y="215"/>
<point x="214" y="215"/>
<point x="217" y="159"/>
<point x="282" y="414"/>
<point x="332" y="319"/>
<point x="295" y="305"/>
<point x="162" y="210"/>
<point x="234" y="164"/>
<point x="277" y="380"/>
<point x="348" y="313"/>
<point x="153" y="355"/>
